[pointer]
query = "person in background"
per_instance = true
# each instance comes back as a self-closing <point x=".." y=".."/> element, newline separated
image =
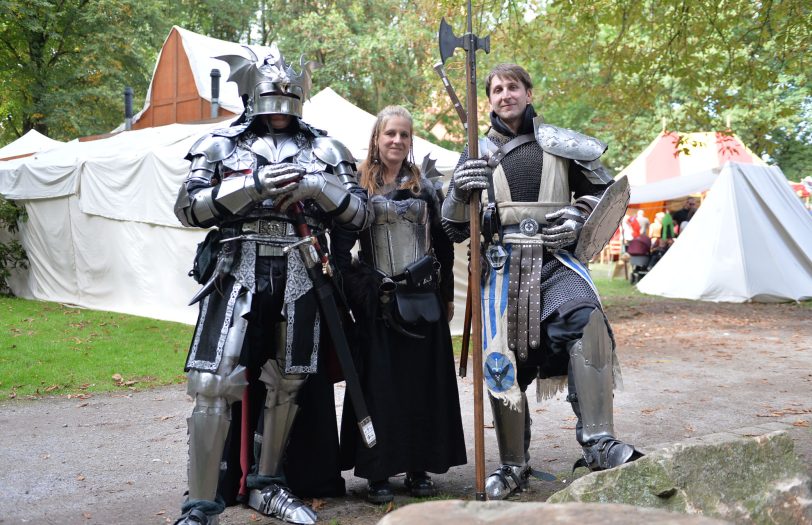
<point x="643" y="222"/>
<point x="401" y="290"/>
<point x="684" y="215"/>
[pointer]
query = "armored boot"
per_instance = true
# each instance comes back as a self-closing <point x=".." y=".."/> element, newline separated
<point x="513" y="437"/>
<point x="590" y="394"/>
<point x="197" y="517"/>
<point x="274" y="498"/>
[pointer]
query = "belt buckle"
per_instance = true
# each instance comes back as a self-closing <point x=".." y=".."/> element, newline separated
<point x="529" y="227"/>
<point x="273" y="228"/>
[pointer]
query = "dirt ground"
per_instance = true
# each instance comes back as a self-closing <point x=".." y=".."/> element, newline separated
<point x="690" y="369"/>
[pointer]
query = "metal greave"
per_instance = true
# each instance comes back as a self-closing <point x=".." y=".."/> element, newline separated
<point x="590" y="380"/>
<point x="512" y="431"/>
<point x="281" y="407"/>
<point x="213" y="394"/>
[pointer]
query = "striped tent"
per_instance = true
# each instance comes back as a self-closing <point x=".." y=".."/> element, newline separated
<point x="675" y="165"/>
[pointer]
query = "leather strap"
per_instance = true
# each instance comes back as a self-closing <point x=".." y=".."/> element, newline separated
<point x="514" y="282"/>
<point x="534" y="298"/>
<point x="509" y="146"/>
<point x="526" y="268"/>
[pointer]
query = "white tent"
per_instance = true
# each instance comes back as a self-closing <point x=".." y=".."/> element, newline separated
<point x="30" y="143"/>
<point x="750" y="241"/>
<point x="675" y="165"/>
<point x="352" y="125"/>
<point x="101" y="232"/>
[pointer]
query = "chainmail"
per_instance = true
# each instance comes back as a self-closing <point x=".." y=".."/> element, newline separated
<point x="560" y="285"/>
<point x="522" y="168"/>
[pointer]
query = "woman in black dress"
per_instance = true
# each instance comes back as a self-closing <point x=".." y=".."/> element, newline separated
<point x="400" y="290"/>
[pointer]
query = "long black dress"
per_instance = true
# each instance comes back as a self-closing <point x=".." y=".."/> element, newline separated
<point x="409" y="384"/>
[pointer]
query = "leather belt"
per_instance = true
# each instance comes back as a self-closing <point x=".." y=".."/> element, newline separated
<point x="524" y="299"/>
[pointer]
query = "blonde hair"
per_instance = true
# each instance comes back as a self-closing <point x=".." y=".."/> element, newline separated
<point x="371" y="169"/>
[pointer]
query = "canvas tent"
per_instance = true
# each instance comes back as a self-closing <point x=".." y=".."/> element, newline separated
<point x="101" y="231"/>
<point x="751" y="240"/>
<point x="30" y="143"/>
<point x="675" y="165"/>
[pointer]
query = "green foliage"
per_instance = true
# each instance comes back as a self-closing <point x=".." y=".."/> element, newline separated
<point x="615" y="70"/>
<point x="52" y="349"/>
<point x="12" y="254"/>
<point x="64" y="63"/>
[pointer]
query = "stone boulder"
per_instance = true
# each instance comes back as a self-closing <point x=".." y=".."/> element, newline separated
<point x="456" y="512"/>
<point x="747" y="476"/>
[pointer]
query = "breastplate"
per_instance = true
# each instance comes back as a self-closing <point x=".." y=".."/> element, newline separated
<point x="398" y="236"/>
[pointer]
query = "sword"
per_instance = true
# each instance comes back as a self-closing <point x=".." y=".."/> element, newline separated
<point x="318" y="267"/>
<point x="471" y="43"/>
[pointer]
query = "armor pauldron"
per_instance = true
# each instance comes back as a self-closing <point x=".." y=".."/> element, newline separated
<point x="591" y="370"/>
<point x="566" y="143"/>
<point x="213" y="147"/>
<point x="331" y="151"/>
<point x="201" y="163"/>
<point x="594" y="172"/>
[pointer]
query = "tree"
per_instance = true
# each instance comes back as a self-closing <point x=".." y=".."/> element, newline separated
<point x="12" y="254"/>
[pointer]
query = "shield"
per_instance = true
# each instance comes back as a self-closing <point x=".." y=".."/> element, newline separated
<point x="603" y="221"/>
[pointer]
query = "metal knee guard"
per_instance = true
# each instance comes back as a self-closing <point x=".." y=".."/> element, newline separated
<point x="281" y="408"/>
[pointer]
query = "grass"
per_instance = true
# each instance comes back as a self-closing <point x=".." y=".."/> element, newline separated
<point x="52" y="349"/>
<point x="49" y="349"/>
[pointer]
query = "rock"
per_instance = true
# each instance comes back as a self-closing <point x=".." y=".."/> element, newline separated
<point x="457" y="512"/>
<point x="751" y="475"/>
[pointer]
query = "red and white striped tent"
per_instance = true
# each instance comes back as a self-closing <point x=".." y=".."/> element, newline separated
<point x="678" y="164"/>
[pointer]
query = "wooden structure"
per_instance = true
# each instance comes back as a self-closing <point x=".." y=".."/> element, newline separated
<point x="174" y="96"/>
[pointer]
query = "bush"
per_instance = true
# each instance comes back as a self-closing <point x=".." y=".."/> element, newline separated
<point x="12" y="254"/>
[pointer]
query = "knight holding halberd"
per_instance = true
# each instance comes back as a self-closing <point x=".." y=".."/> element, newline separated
<point x="257" y="183"/>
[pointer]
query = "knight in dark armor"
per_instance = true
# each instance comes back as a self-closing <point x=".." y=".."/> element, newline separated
<point x="549" y="207"/>
<point x="257" y="184"/>
<point x="401" y="290"/>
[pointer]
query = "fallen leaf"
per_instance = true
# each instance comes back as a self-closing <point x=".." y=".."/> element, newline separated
<point x="253" y="517"/>
<point x="390" y="507"/>
<point x="87" y="515"/>
<point x="160" y="513"/>
<point x="317" y="504"/>
<point x="164" y="418"/>
<point x="117" y="378"/>
<point x="801" y="423"/>
<point x="52" y="388"/>
<point x="80" y="405"/>
<point x="80" y="477"/>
